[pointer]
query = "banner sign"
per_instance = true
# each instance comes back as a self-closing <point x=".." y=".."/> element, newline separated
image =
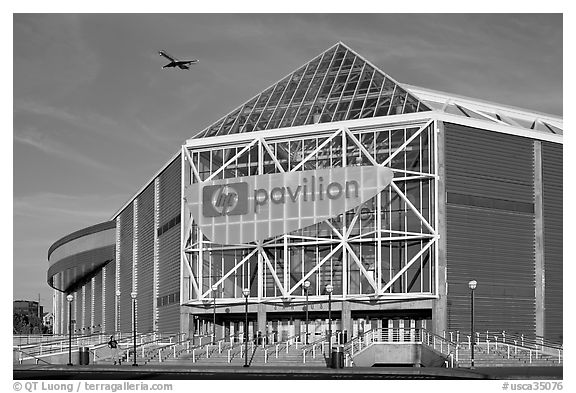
<point x="253" y="208"/>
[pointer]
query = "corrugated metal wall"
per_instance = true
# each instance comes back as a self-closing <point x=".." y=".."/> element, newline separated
<point x="494" y="246"/>
<point x="145" y="259"/>
<point x="552" y="206"/>
<point x="87" y="323"/>
<point x="78" y="304"/>
<point x="126" y="248"/>
<point x="169" y="247"/>
<point x="109" y="297"/>
<point x="98" y="301"/>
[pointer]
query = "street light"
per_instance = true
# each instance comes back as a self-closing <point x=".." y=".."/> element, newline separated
<point x="472" y="285"/>
<point x="329" y="289"/>
<point x="70" y="298"/>
<point x="214" y="289"/>
<point x="246" y="293"/>
<point x="133" y="295"/>
<point x="117" y="327"/>
<point x="306" y="286"/>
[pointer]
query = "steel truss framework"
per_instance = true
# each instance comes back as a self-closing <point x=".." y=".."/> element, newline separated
<point x="385" y="249"/>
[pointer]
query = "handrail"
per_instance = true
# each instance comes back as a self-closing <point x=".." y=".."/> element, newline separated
<point x="64" y="338"/>
<point x="525" y="339"/>
<point x="395" y="335"/>
<point x="30" y="356"/>
<point x="61" y="346"/>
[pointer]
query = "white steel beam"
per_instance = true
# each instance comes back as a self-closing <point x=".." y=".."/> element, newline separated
<point x="273" y="272"/>
<point x="407" y="266"/>
<point x="239" y="154"/>
<point x="405" y="144"/>
<point x="318" y="266"/>
<point x="315" y="151"/>
<point x="242" y="262"/>
<point x="411" y="206"/>
<point x="362" y="268"/>
<point x="269" y="150"/>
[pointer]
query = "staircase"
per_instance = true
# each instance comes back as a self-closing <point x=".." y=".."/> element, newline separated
<point x="228" y="351"/>
<point x="491" y="349"/>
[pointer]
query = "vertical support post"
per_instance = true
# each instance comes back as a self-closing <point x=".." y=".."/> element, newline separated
<point x="539" y="265"/>
<point x="133" y="294"/>
<point x="472" y="328"/>
<point x="440" y="307"/>
<point x="246" y="294"/>
<point x="306" y="285"/>
<point x="69" y="298"/>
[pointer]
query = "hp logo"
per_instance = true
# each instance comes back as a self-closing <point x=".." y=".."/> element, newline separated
<point x="225" y="200"/>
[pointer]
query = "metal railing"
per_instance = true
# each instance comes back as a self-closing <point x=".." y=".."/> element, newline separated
<point x="513" y="345"/>
<point x="403" y="335"/>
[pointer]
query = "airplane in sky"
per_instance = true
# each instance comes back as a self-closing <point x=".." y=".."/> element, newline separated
<point x="174" y="62"/>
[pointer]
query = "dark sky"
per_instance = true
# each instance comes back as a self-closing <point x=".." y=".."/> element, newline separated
<point x="95" y="116"/>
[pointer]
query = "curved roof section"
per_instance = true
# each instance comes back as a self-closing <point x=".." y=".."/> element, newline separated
<point x="79" y="256"/>
<point x="82" y="232"/>
<point x="336" y="85"/>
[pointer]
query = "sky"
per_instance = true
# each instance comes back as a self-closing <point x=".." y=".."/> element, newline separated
<point x="95" y="116"/>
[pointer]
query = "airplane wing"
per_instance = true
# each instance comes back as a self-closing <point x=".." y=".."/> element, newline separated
<point x="183" y="67"/>
<point x="166" y="55"/>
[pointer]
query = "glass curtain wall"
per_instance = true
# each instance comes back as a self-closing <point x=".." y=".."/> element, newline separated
<point x="389" y="241"/>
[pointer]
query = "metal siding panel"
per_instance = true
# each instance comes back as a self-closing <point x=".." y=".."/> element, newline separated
<point x="87" y="323"/>
<point x="552" y="175"/>
<point x="486" y="163"/>
<point x="169" y="246"/>
<point x="169" y="267"/>
<point x="78" y="299"/>
<point x="169" y="318"/>
<point x="497" y="250"/>
<point x="146" y="259"/>
<point x="126" y="248"/>
<point x="170" y="184"/>
<point x="98" y="302"/>
<point x="494" y="247"/>
<point x="109" y="296"/>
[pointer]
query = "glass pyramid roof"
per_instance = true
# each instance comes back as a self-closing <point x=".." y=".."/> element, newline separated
<point x="336" y="85"/>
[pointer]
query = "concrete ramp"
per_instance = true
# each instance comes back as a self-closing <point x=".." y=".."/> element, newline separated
<point x="398" y="354"/>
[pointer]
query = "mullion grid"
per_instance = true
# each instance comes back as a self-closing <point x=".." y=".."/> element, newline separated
<point x="321" y="85"/>
<point x="289" y="105"/>
<point x="284" y="103"/>
<point x="327" y="98"/>
<point x="339" y="101"/>
<point x="357" y="94"/>
<point x="354" y="93"/>
<point x="288" y="79"/>
<point x="255" y="108"/>
<point x="303" y="104"/>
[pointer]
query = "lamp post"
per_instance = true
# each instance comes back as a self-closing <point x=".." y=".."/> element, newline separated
<point x="472" y="285"/>
<point x="133" y="295"/>
<point x="70" y="298"/>
<point x="329" y="289"/>
<point x="246" y="293"/>
<point x="214" y="289"/>
<point x="117" y="327"/>
<point x="306" y="286"/>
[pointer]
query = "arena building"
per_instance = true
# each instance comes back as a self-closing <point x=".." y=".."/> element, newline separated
<point x="395" y="195"/>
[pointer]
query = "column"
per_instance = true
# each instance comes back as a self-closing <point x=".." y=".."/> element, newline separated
<point x="440" y="305"/>
<point x="540" y="273"/>
<point x="261" y="317"/>
<point x="346" y="319"/>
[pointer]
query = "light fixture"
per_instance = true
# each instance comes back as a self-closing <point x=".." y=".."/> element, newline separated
<point x="246" y="293"/>
<point x="133" y="295"/>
